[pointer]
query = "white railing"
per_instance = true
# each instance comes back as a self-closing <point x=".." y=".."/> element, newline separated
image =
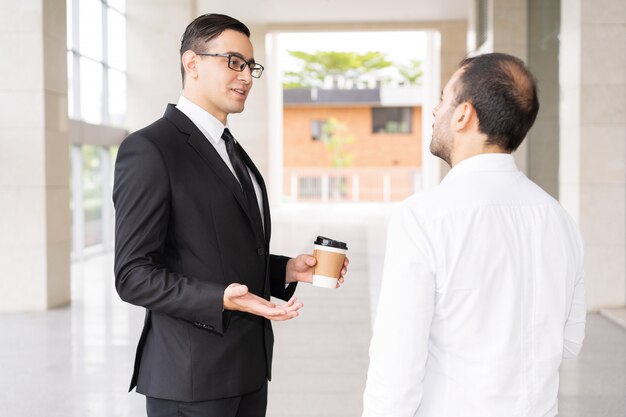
<point x="368" y="184"/>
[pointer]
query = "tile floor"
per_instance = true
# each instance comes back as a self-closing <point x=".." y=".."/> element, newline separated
<point x="76" y="361"/>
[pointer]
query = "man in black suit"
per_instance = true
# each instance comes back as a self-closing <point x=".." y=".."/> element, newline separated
<point x="192" y="240"/>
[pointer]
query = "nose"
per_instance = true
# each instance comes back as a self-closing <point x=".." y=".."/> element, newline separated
<point x="435" y="109"/>
<point x="246" y="75"/>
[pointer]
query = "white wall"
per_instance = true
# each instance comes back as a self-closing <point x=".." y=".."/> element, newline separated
<point x="593" y="140"/>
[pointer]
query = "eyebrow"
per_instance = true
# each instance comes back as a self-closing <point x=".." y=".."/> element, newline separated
<point x="237" y="54"/>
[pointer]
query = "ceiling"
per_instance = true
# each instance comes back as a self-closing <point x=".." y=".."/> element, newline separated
<point x="335" y="11"/>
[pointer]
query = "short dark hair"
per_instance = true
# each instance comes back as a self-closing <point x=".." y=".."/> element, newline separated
<point x="504" y="93"/>
<point x="203" y="29"/>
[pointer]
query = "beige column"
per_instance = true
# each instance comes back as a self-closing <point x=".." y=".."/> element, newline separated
<point x="507" y="23"/>
<point x="593" y="138"/>
<point x="529" y="30"/>
<point x="154" y="31"/>
<point x="34" y="157"/>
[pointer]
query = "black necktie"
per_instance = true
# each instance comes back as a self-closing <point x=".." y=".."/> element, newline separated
<point x="241" y="170"/>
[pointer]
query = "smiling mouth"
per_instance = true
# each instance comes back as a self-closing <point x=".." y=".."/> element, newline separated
<point x="240" y="91"/>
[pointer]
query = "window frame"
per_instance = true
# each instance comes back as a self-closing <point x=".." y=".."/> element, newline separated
<point x="106" y="135"/>
<point x="320" y="129"/>
<point x="403" y="111"/>
<point x="75" y="105"/>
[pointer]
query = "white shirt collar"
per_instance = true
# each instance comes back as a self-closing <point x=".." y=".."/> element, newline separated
<point x="205" y="121"/>
<point x="481" y="163"/>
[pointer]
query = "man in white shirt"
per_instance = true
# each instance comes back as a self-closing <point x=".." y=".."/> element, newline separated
<point x="482" y="292"/>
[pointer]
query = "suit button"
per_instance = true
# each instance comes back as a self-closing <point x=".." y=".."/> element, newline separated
<point x="260" y="251"/>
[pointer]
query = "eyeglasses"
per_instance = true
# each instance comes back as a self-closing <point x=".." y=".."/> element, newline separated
<point x="237" y="63"/>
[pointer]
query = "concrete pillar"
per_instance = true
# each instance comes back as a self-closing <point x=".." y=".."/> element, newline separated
<point x="507" y="23"/>
<point x="529" y="30"/>
<point x="34" y="157"/>
<point x="543" y="60"/>
<point x="593" y="140"/>
<point x="154" y="31"/>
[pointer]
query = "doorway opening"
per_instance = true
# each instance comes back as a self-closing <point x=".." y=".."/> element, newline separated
<point x="349" y="113"/>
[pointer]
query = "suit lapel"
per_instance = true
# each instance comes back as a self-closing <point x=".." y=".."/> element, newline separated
<point x="207" y="152"/>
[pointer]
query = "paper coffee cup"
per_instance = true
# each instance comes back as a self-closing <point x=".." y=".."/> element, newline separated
<point x="330" y="255"/>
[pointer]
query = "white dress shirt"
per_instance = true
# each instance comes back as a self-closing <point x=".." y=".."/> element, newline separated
<point x="213" y="129"/>
<point x="482" y="295"/>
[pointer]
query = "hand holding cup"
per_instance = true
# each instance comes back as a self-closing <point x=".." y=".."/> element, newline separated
<point x="330" y="255"/>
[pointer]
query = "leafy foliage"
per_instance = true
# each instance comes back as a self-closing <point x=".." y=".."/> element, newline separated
<point x="336" y="138"/>
<point x="411" y="73"/>
<point x="316" y="66"/>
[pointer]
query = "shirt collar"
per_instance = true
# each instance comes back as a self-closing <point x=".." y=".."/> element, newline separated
<point x="486" y="162"/>
<point x="205" y="121"/>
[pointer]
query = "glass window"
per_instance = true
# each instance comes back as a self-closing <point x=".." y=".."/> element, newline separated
<point x="90" y="91"/>
<point x="317" y="129"/>
<point x="96" y="63"/>
<point x="116" y="40"/>
<point x="117" y="97"/>
<point x="90" y="28"/>
<point x="391" y="119"/>
<point x="119" y="5"/>
<point x="96" y="33"/>
<point x="92" y="194"/>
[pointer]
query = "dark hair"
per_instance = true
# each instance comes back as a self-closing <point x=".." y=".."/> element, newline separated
<point x="504" y="94"/>
<point x="203" y="29"/>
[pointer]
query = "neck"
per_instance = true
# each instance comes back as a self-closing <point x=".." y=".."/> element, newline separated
<point x="475" y="146"/>
<point x="202" y="102"/>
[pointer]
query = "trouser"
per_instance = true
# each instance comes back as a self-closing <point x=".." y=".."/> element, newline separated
<point x="252" y="404"/>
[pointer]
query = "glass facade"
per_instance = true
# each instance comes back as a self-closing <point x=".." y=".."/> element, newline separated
<point x="96" y="57"/>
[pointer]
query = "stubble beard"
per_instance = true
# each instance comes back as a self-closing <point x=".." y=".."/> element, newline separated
<point x="441" y="141"/>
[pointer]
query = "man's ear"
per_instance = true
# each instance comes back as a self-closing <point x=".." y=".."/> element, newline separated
<point x="463" y="113"/>
<point x="190" y="63"/>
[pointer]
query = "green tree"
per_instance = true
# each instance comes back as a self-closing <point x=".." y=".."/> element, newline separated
<point x="336" y="137"/>
<point x="315" y="67"/>
<point x="411" y="73"/>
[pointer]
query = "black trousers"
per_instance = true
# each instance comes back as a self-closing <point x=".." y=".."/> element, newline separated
<point x="252" y="404"/>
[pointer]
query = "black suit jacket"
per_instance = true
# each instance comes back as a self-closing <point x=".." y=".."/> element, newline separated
<point x="183" y="233"/>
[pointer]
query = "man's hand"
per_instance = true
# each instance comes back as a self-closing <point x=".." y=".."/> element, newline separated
<point x="300" y="269"/>
<point x="237" y="297"/>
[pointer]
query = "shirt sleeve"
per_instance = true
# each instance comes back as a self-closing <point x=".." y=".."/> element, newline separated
<point x="399" y="346"/>
<point x="279" y="288"/>
<point x="574" y="332"/>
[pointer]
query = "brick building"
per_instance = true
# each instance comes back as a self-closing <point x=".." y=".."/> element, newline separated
<point x="385" y="154"/>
